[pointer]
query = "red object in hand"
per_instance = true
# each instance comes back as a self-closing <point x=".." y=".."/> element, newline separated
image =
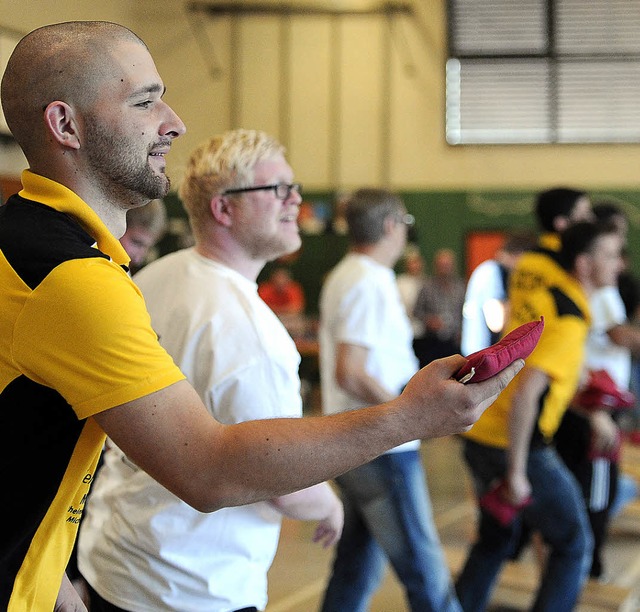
<point x="496" y="505"/>
<point x="517" y="344"/>
<point x="601" y="391"/>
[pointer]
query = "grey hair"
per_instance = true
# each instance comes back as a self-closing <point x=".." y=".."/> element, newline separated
<point x="366" y="210"/>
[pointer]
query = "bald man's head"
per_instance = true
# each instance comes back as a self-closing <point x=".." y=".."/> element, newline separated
<point x="66" y="62"/>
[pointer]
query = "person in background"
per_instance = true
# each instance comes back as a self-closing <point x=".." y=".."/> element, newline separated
<point x="285" y="296"/>
<point x="439" y="307"/>
<point x="589" y="439"/>
<point x="282" y="294"/>
<point x="629" y="288"/>
<point x="84" y="102"/>
<point x="410" y="281"/>
<point x="513" y="444"/>
<point x="485" y="307"/>
<point x="217" y="561"/>
<point x="145" y="227"/>
<point x="366" y="357"/>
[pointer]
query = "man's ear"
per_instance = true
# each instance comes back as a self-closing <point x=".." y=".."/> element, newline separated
<point x="221" y="210"/>
<point x="582" y="267"/>
<point x="61" y="122"/>
<point x="389" y="224"/>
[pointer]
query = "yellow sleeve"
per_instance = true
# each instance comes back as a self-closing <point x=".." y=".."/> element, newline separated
<point x="85" y="332"/>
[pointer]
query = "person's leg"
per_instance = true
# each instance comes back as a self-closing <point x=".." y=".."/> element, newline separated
<point x="604" y="488"/>
<point x="627" y="491"/>
<point x="494" y="543"/>
<point x="597" y="478"/>
<point x="559" y="512"/>
<point x="359" y="562"/>
<point x="402" y="524"/>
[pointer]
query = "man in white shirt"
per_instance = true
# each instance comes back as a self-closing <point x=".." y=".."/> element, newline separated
<point x="410" y="282"/>
<point x="485" y="302"/>
<point x="170" y="556"/>
<point x="589" y="440"/>
<point x="366" y="357"/>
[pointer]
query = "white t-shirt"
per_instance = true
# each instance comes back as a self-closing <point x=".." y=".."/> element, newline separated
<point x="141" y="547"/>
<point x="409" y="287"/>
<point x="360" y="304"/>
<point x="485" y="283"/>
<point x="608" y="311"/>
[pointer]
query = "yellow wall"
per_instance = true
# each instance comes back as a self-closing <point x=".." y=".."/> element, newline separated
<point x="356" y="99"/>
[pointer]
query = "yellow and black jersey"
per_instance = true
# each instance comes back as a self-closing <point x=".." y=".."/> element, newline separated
<point x="75" y="339"/>
<point x="540" y="287"/>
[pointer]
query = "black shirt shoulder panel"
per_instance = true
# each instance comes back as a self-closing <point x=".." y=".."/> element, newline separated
<point x="564" y="304"/>
<point x="35" y="238"/>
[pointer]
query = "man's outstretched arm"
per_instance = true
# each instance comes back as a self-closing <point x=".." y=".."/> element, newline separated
<point x="171" y="436"/>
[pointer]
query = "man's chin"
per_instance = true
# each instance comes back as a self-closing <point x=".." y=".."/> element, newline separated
<point x="289" y="249"/>
<point x="159" y="188"/>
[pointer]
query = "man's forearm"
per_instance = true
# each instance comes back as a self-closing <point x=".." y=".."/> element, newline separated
<point x="524" y="412"/>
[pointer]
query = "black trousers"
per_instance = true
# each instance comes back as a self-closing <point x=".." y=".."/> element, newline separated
<point x="598" y="479"/>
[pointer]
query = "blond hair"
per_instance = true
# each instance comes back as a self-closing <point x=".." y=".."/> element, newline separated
<point x="225" y="161"/>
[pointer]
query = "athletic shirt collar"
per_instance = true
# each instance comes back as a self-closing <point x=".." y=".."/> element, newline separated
<point x="550" y="241"/>
<point x="50" y="193"/>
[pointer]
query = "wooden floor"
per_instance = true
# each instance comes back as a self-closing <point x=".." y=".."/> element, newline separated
<point x="299" y="572"/>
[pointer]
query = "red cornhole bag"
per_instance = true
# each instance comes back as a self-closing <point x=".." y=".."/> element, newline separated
<point x="517" y="344"/>
<point x="494" y="503"/>
<point x="601" y="391"/>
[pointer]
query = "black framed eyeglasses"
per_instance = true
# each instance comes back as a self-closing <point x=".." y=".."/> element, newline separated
<point x="282" y="190"/>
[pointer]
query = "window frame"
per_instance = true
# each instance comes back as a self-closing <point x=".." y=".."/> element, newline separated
<point x="568" y="119"/>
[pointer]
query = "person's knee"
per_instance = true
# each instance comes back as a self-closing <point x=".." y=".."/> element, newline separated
<point x="497" y="540"/>
<point x="579" y="542"/>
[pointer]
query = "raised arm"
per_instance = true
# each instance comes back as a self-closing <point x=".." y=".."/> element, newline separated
<point x="170" y="435"/>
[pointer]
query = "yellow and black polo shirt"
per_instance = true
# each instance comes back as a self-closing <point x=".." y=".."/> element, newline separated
<point x="540" y="286"/>
<point x="75" y="339"/>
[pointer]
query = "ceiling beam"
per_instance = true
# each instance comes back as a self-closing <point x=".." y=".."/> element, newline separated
<point x="261" y="8"/>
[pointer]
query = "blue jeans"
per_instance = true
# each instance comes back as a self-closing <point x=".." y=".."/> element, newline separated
<point x="558" y="512"/>
<point x="388" y="516"/>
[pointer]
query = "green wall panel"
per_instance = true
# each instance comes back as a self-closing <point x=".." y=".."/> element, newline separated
<point x="443" y="219"/>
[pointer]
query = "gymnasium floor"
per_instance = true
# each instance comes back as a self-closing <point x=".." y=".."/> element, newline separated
<point x="300" y="569"/>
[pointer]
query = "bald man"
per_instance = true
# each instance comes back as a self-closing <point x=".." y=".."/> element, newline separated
<point x="78" y="356"/>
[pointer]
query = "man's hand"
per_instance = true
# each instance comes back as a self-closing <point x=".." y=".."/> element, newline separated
<point x="318" y="503"/>
<point x="329" y="529"/>
<point x="68" y="599"/>
<point x="518" y="488"/>
<point x="604" y="431"/>
<point x="439" y="405"/>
